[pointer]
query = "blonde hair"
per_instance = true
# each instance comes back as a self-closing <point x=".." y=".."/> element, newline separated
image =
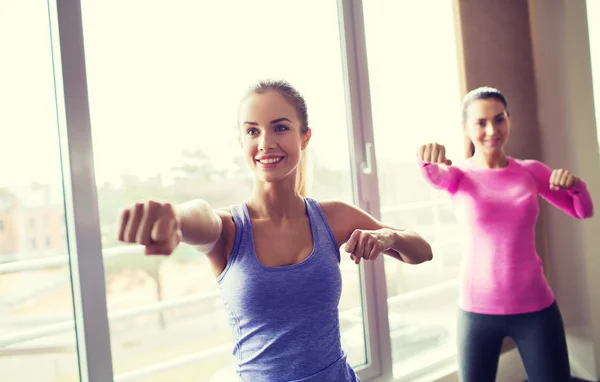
<point x="302" y="175"/>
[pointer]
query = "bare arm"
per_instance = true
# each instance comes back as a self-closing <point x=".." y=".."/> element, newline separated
<point x="365" y="237"/>
<point x="210" y="231"/>
<point x="200" y="225"/>
<point x="160" y="227"/>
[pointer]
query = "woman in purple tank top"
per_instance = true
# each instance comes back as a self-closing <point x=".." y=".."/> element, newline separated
<point x="276" y="255"/>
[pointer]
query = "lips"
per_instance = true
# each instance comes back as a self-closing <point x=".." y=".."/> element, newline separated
<point x="493" y="141"/>
<point x="269" y="161"/>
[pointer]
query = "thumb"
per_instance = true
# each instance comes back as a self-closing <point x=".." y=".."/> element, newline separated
<point x="448" y="162"/>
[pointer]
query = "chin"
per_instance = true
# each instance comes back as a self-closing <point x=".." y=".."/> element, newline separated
<point x="266" y="178"/>
<point x="492" y="147"/>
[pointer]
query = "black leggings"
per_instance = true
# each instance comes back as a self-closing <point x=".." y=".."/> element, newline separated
<point x="540" y="338"/>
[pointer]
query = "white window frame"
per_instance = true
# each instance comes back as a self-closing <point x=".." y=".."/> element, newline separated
<point x="366" y="193"/>
<point x="80" y="194"/>
<point x="81" y="202"/>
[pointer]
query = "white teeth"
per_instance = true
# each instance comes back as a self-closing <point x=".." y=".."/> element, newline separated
<point x="270" y="160"/>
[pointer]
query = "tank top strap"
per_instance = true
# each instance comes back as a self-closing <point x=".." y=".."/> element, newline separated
<point x="322" y="228"/>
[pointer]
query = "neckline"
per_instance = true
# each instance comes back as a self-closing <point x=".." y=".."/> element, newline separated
<point x="476" y="167"/>
<point x="313" y="230"/>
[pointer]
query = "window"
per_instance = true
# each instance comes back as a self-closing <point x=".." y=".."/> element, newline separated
<point x="413" y="71"/>
<point x="163" y="84"/>
<point x="37" y="337"/>
<point x="593" y="14"/>
<point x="174" y="114"/>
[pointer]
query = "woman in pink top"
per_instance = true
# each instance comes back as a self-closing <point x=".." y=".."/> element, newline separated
<point x="504" y="292"/>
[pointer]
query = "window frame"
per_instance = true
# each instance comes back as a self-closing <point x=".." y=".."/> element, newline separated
<point x="365" y="182"/>
<point x="81" y="202"/>
<point x="79" y="186"/>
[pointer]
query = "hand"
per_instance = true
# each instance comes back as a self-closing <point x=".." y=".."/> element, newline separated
<point x="365" y="245"/>
<point x="433" y="153"/>
<point x="151" y="224"/>
<point x="562" y="180"/>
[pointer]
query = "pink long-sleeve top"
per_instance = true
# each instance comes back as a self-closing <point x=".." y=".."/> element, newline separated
<point x="498" y="209"/>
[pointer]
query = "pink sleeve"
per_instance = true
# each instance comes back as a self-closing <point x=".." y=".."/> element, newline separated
<point x="575" y="201"/>
<point x="441" y="177"/>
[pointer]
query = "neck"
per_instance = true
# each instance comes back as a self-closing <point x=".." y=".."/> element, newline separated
<point x="275" y="201"/>
<point x="493" y="160"/>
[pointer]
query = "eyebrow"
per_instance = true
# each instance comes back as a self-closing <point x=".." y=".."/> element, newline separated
<point x="496" y="116"/>
<point x="272" y="122"/>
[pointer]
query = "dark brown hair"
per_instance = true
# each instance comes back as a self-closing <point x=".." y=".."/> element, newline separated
<point x="484" y="92"/>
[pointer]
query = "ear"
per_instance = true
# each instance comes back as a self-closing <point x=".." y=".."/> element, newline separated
<point x="306" y="138"/>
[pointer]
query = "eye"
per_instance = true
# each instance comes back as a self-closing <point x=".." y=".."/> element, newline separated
<point x="252" y="131"/>
<point x="500" y="119"/>
<point x="281" y="128"/>
<point x="481" y="123"/>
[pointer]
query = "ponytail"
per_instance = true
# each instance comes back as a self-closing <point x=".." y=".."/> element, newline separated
<point x="302" y="175"/>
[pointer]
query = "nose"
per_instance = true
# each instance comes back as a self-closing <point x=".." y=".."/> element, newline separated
<point x="490" y="128"/>
<point x="266" y="142"/>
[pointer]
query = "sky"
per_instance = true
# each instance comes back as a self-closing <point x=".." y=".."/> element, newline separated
<point x="162" y="79"/>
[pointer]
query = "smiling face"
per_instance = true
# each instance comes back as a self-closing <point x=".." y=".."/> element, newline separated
<point x="488" y="125"/>
<point x="272" y="136"/>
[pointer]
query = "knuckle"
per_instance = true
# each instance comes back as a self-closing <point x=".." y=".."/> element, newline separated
<point x="167" y="209"/>
<point x="151" y="206"/>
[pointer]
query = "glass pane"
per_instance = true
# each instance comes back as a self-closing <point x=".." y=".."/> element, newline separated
<point x="165" y="81"/>
<point x="415" y="100"/>
<point x="593" y="16"/>
<point x="36" y="305"/>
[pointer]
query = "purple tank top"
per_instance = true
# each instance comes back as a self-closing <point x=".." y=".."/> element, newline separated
<point x="285" y="319"/>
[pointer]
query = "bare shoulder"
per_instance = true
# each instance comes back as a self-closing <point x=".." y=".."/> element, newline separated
<point x="228" y="230"/>
<point x="220" y="251"/>
<point x="344" y="218"/>
<point x="224" y="213"/>
<point x="338" y="210"/>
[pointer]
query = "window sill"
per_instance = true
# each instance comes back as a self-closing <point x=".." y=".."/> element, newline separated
<point x="428" y="367"/>
<point x="445" y="369"/>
